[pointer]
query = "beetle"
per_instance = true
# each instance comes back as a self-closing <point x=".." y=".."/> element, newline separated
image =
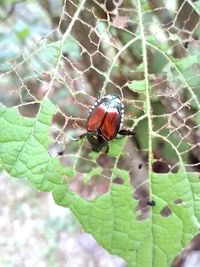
<point x="105" y="121"/>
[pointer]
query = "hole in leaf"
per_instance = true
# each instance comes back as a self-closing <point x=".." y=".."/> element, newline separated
<point x="118" y="180"/>
<point x="165" y="212"/>
<point x="95" y="186"/>
<point x="124" y="163"/>
<point x="160" y="167"/>
<point x="84" y="166"/>
<point x="79" y="187"/>
<point x="64" y="131"/>
<point x="102" y="185"/>
<point x="107" y="172"/>
<point x="112" y="89"/>
<point x="110" y="5"/>
<point x="29" y="110"/>
<point x="142" y="209"/>
<point x="194" y="158"/>
<point x="105" y="161"/>
<point x="95" y="81"/>
<point x="94" y="37"/>
<point x="178" y="201"/>
<point x="56" y="149"/>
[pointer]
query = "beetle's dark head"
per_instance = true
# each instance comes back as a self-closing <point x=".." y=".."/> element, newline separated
<point x="96" y="141"/>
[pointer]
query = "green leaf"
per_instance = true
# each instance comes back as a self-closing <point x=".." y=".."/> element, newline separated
<point x="137" y="86"/>
<point x="112" y="218"/>
<point x="71" y="47"/>
<point x="140" y="55"/>
<point x="24" y="144"/>
<point x="189" y="66"/>
<point x="197" y="4"/>
<point x="187" y="62"/>
<point x="23" y="34"/>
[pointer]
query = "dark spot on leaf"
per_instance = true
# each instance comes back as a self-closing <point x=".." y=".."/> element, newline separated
<point x="165" y="212"/>
<point x="118" y="180"/>
<point x="151" y="203"/>
<point x="60" y="153"/>
<point x="178" y="201"/>
<point x="140" y="166"/>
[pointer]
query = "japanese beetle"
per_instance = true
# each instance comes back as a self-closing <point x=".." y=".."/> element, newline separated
<point x="105" y="122"/>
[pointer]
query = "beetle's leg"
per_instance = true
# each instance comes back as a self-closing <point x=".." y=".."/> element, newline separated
<point x="82" y="135"/>
<point x="107" y="149"/>
<point x="126" y="132"/>
<point x="99" y="95"/>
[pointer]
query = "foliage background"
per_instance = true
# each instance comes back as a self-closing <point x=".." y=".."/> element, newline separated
<point x="46" y="48"/>
<point x="35" y="231"/>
